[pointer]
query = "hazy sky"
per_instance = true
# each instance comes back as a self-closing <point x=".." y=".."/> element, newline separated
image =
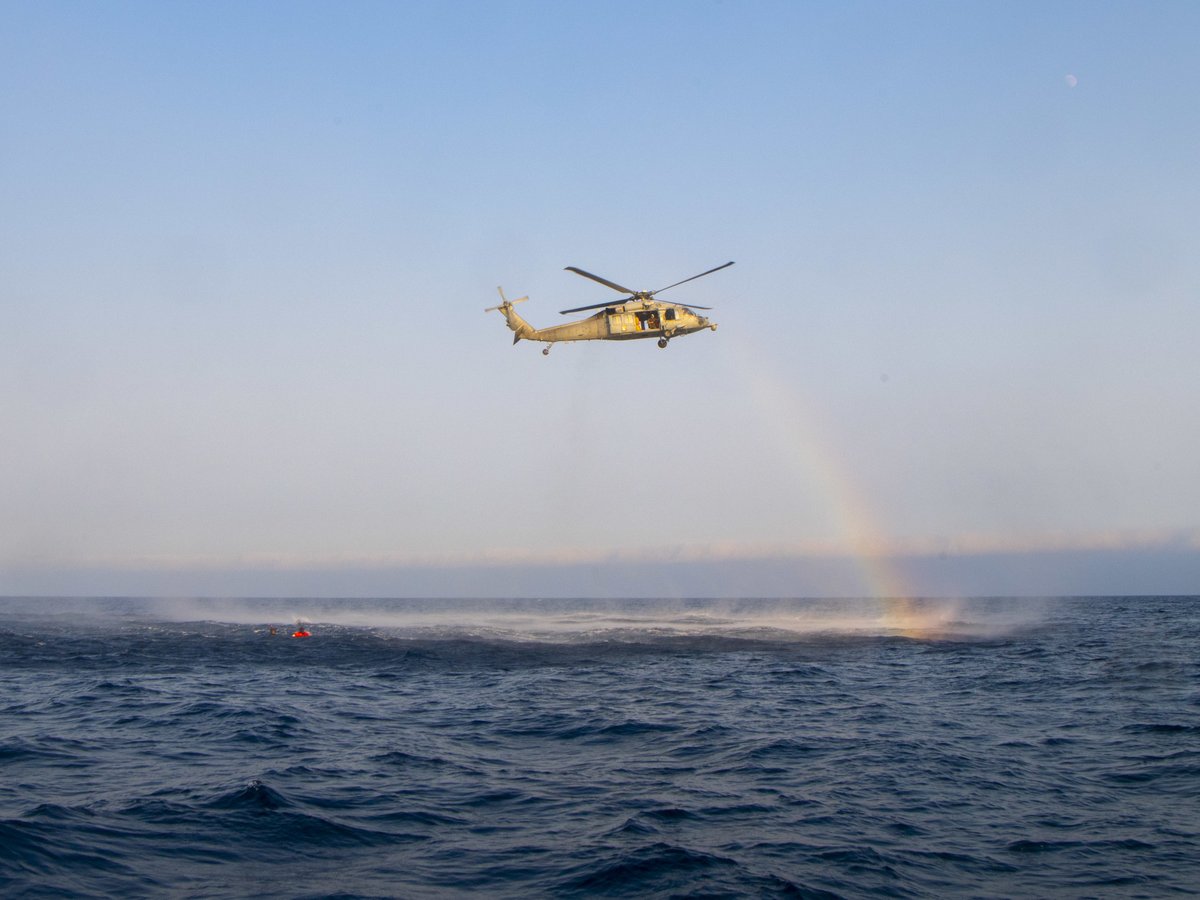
<point x="246" y="247"/>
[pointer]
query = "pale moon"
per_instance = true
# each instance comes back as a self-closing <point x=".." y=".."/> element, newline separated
<point x="1071" y="81"/>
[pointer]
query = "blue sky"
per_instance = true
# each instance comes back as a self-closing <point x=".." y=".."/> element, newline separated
<point x="247" y="247"/>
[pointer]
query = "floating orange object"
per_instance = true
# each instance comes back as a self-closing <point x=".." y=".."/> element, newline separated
<point x="302" y="633"/>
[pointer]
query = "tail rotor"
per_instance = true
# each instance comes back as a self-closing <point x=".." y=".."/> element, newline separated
<point x="506" y="304"/>
<point x="519" y="326"/>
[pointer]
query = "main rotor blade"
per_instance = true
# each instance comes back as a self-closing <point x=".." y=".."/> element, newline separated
<point x="603" y="281"/>
<point x="563" y="312"/>
<point x="693" y="278"/>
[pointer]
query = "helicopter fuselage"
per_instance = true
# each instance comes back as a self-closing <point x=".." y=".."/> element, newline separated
<point x="626" y="322"/>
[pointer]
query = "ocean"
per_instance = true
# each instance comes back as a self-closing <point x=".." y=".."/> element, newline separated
<point x="975" y="748"/>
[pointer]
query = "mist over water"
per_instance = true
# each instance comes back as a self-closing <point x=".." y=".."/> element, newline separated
<point x="559" y="620"/>
<point x="922" y="748"/>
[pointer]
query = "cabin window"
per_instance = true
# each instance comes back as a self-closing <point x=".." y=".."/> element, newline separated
<point x="670" y="315"/>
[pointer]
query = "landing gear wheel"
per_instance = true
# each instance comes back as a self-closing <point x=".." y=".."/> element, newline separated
<point x="546" y="351"/>
<point x="662" y="342"/>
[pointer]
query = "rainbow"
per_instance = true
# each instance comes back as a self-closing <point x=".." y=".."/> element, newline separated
<point x="797" y="430"/>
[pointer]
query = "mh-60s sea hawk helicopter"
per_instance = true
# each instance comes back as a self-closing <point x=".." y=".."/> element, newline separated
<point x="637" y="316"/>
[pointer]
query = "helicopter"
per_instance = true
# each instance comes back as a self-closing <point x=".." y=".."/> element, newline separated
<point x="637" y="316"/>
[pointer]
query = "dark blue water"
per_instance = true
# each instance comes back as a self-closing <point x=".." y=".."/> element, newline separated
<point x="983" y="748"/>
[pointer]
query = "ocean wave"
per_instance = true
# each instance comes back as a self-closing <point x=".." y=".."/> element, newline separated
<point x="605" y="756"/>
